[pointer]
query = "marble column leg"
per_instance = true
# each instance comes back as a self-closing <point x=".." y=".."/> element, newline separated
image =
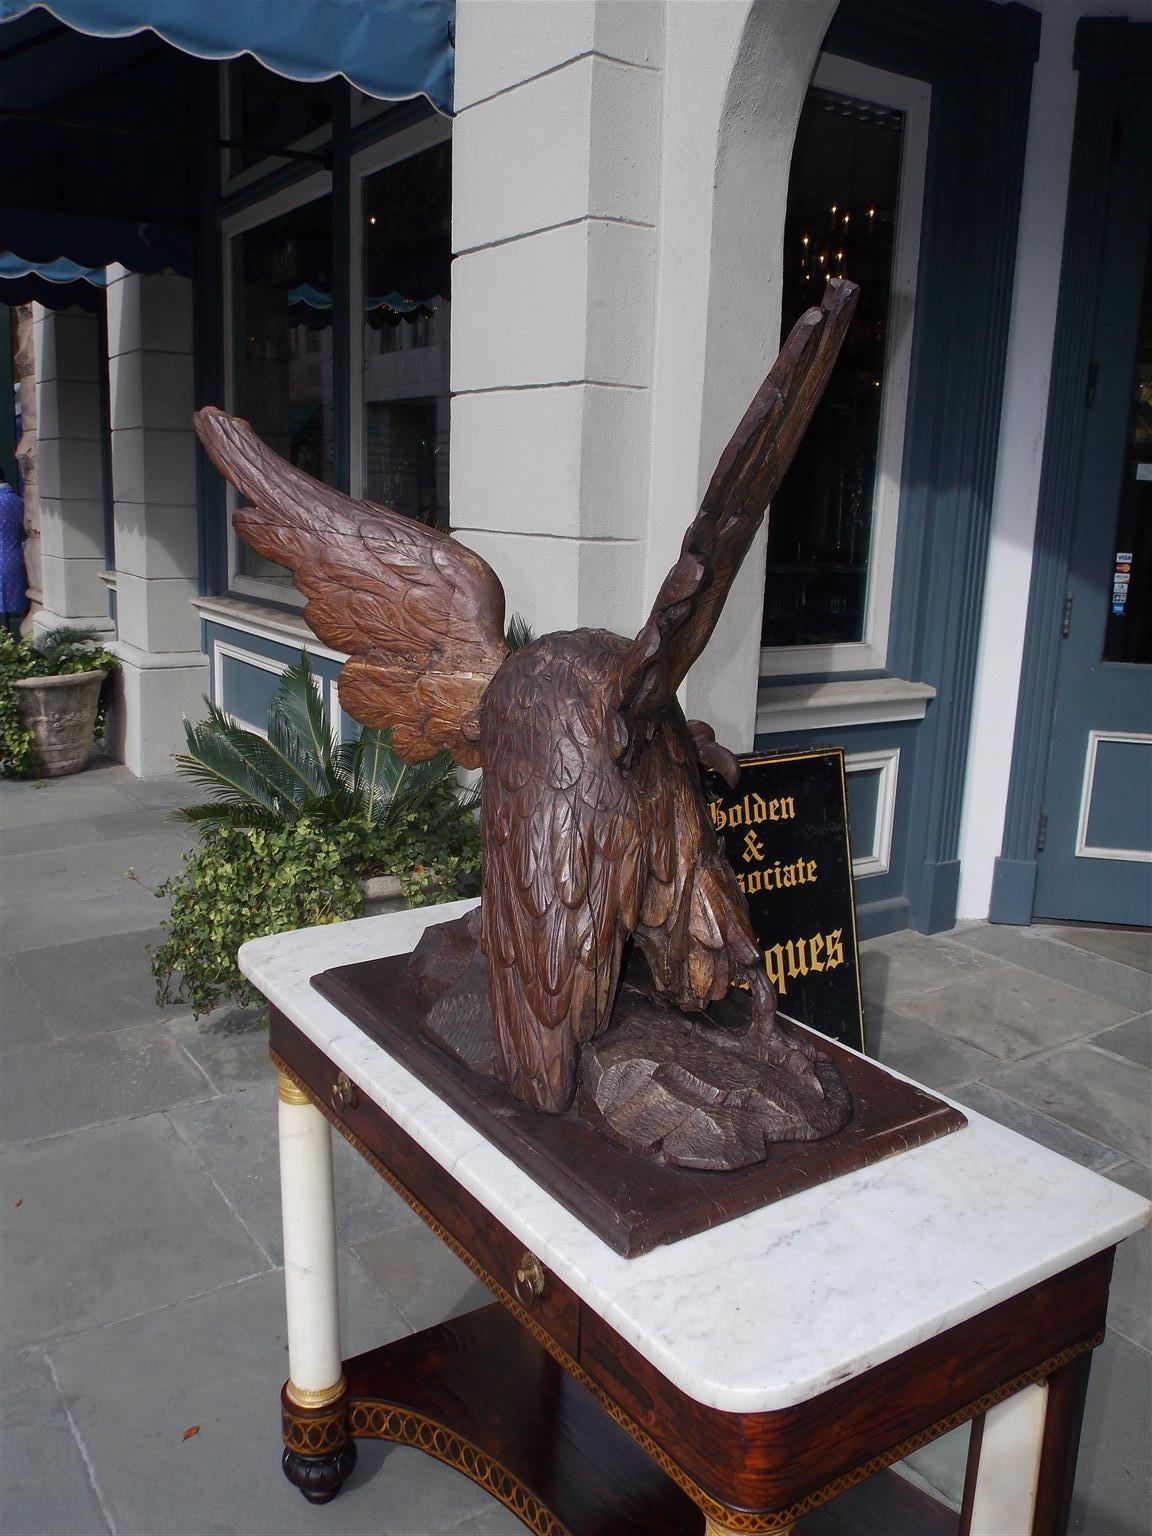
<point x="318" y="1453"/>
<point x="1003" y="1480"/>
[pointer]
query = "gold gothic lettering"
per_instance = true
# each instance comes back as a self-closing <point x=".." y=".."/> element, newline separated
<point x="751" y="811"/>
<point x="798" y="957"/>
<point x="776" y="876"/>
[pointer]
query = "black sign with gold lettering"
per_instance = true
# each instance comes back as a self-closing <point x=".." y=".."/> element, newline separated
<point x="785" y="831"/>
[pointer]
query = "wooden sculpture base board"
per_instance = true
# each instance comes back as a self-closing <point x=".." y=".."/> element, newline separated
<point x="632" y="1204"/>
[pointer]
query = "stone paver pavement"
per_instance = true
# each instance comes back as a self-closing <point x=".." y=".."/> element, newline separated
<point x="139" y="1226"/>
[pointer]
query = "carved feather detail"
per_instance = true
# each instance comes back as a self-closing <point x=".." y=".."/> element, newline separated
<point x="421" y="615"/>
<point x="748" y="475"/>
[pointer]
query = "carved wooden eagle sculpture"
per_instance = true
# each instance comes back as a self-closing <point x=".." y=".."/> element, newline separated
<point x="594" y="823"/>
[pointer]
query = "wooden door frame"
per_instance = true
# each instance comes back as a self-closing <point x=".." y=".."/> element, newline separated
<point x="1108" y="51"/>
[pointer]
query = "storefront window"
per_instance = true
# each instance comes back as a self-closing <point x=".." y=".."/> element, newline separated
<point x="269" y="112"/>
<point x="405" y="295"/>
<point x="841" y="221"/>
<point x="282" y="345"/>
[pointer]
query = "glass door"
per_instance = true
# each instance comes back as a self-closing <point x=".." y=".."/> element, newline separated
<point x="1095" y="863"/>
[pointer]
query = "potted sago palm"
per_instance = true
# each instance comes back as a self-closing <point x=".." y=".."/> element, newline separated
<point x="301" y="829"/>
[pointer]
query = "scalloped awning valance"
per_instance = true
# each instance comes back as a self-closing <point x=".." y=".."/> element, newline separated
<point x="390" y="49"/>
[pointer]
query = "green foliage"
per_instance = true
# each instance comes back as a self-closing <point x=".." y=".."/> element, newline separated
<point x="57" y="652"/>
<point x="239" y="884"/>
<point x="518" y="634"/>
<point x="295" y="824"/>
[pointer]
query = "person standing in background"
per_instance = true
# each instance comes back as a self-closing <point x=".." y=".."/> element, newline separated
<point x="13" y="575"/>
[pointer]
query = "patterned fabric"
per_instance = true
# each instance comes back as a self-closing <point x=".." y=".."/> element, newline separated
<point x="13" y="576"/>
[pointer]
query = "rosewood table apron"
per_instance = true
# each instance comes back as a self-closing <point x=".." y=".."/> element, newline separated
<point x="734" y="1381"/>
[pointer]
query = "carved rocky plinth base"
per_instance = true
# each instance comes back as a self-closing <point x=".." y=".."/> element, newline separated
<point x="688" y="1092"/>
<point x="696" y="1095"/>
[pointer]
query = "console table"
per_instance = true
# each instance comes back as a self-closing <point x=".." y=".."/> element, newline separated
<point x="730" y="1382"/>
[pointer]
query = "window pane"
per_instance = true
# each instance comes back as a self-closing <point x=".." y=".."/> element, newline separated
<point x="406" y="316"/>
<point x="282" y="329"/>
<point x="841" y="221"/>
<point x="270" y="112"/>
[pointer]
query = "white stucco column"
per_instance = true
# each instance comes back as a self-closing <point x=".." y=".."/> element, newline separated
<point x="735" y="78"/>
<point x="555" y="184"/>
<point x="154" y="482"/>
<point x="619" y="188"/>
<point x="70" y="478"/>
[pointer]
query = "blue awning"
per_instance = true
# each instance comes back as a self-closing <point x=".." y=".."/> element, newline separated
<point x="55" y="284"/>
<point x="390" y="49"/>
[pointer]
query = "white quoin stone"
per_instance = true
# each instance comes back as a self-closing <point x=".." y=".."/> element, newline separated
<point x="500" y="44"/>
<point x="565" y="306"/>
<point x="576" y="469"/>
<point x="560" y="584"/>
<point x="580" y="142"/>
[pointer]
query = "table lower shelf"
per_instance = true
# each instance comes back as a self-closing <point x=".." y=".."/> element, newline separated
<point x="479" y="1394"/>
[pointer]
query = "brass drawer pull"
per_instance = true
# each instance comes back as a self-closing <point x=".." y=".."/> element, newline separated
<point x="344" y="1095"/>
<point x="530" y="1278"/>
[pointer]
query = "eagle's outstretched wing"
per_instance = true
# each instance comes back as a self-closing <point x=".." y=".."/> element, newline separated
<point x="421" y="615"/>
<point x="745" y="480"/>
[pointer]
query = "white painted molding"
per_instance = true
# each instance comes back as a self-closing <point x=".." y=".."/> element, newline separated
<point x="221" y="652"/>
<point x="783" y="708"/>
<point x="878" y="859"/>
<point x="1083" y="849"/>
<point x="272" y="624"/>
<point x="334" y="714"/>
<point x="157" y="661"/>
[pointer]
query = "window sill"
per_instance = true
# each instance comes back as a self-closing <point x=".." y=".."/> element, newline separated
<point x="278" y="625"/>
<point x="783" y="709"/>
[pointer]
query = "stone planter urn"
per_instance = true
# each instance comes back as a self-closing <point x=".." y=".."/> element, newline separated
<point x="383" y="893"/>
<point x="61" y="714"/>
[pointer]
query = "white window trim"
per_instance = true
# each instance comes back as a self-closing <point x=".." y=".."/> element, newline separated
<point x="367" y="161"/>
<point x="914" y="99"/>
<point x="222" y="652"/>
<point x="1084" y="849"/>
<point x="878" y="859"/>
<point x="295" y="196"/>
<point x="230" y="126"/>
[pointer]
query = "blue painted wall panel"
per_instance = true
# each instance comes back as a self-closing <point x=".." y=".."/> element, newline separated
<point x="247" y="691"/>
<point x="1120" y="815"/>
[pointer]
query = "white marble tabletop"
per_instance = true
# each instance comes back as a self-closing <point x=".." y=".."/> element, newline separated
<point x="772" y="1308"/>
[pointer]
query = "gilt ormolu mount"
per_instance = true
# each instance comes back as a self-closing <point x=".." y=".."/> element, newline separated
<point x="596" y="835"/>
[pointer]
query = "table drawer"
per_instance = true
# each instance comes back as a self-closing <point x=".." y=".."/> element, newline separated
<point x="514" y="1274"/>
